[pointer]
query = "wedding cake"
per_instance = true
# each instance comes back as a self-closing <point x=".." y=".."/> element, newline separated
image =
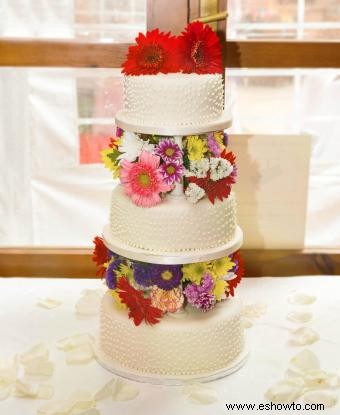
<point x="170" y="254"/>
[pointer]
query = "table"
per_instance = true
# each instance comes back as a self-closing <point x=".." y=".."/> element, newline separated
<point x="24" y="324"/>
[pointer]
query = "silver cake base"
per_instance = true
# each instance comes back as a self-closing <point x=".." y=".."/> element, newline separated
<point x="153" y="379"/>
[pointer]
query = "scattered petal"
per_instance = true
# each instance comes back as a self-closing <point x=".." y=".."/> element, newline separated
<point x="301" y="298"/>
<point x="5" y="391"/>
<point x="82" y="400"/>
<point x="304" y="361"/>
<point x="49" y="303"/>
<point x="246" y="323"/>
<point x="37" y="352"/>
<point x="39" y="368"/>
<point x="321" y="379"/>
<point x="124" y="391"/>
<point x="200" y="394"/>
<point x="299" y="316"/>
<point x="80" y="354"/>
<point x="8" y="371"/>
<point x="105" y="391"/>
<point x="89" y="303"/>
<point x="326" y="398"/>
<point x="304" y="336"/>
<point x="79" y="403"/>
<point x="69" y="343"/>
<point x="254" y="310"/>
<point x="285" y="391"/>
<point x="24" y="389"/>
<point x="56" y="408"/>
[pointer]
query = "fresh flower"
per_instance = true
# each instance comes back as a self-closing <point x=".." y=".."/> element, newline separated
<point x="100" y="255"/>
<point x="219" y="136"/>
<point x="132" y="146"/>
<point x="199" y="50"/>
<point x="239" y="272"/>
<point x="213" y="145"/>
<point x="221" y="266"/>
<point x="225" y="139"/>
<point x="171" y="171"/>
<point x="219" y="290"/>
<point x="196" y="147"/>
<point x="167" y="300"/>
<point x="200" y="295"/>
<point x="220" y="168"/>
<point x="111" y="271"/>
<point x="143" y="180"/>
<point x="140" y="308"/>
<point x="194" y="272"/>
<point x="115" y="142"/>
<point x="142" y="274"/>
<point x="117" y="301"/>
<point x="166" y="277"/>
<point x="119" y="132"/>
<point x="194" y="193"/>
<point x="153" y="53"/>
<point x="199" y="168"/>
<point x="168" y="150"/>
<point x="110" y="160"/>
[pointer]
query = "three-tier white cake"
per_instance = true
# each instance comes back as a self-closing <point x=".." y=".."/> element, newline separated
<point x="170" y="254"/>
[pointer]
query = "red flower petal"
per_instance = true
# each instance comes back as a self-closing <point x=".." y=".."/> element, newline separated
<point x="100" y="253"/>
<point x="239" y="274"/>
<point x="140" y="308"/>
<point x="219" y="189"/>
<point x="199" y="50"/>
<point x="153" y="53"/>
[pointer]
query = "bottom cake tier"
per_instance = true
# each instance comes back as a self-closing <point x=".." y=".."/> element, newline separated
<point x="187" y="345"/>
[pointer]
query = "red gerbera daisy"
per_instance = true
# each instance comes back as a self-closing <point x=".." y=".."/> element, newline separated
<point x="140" y="307"/>
<point x="100" y="253"/>
<point x="199" y="50"/>
<point x="239" y="273"/>
<point x="153" y="53"/>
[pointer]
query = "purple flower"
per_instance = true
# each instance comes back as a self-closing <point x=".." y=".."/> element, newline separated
<point x="200" y="296"/>
<point x="213" y="145"/>
<point x="171" y="171"/>
<point x="168" y="150"/>
<point x="225" y="139"/>
<point x="166" y="277"/>
<point x="119" y="132"/>
<point x="235" y="267"/>
<point x="142" y="273"/>
<point x="110" y="275"/>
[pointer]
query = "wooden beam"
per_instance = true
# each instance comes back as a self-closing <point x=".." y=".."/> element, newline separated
<point x="282" y="54"/>
<point x="77" y="263"/>
<point x="239" y="54"/>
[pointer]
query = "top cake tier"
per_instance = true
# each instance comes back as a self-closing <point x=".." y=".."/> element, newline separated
<point x="173" y="104"/>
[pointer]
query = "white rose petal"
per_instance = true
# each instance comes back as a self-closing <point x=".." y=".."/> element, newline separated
<point x="39" y="368"/>
<point x="321" y="379"/>
<point x="124" y="391"/>
<point x="326" y="398"/>
<point x="200" y="394"/>
<point x="299" y="316"/>
<point x="69" y="343"/>
<point x="284" y="391"/>
<point x="37" y="352"/>
<point x="49" y="303"/>
<point x="304" y="362"/>
<point x="80" y="354"/>
<point x="254" y="310"/>
<point x="301" y="298"/>
<point x="105" y="391"/>
<point x="24" y="389"/>
<point x="304" y="336"/>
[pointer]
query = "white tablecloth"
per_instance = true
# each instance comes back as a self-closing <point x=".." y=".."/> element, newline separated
<point x="23" y="324"/>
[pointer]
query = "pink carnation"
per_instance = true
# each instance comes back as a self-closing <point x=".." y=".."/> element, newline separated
<point x="142" y="180"/>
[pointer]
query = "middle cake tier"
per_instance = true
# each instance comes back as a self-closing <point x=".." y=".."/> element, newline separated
<point x="175" y="225"/>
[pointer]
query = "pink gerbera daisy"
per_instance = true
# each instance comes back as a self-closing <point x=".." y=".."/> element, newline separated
<point x="143" y="181"/>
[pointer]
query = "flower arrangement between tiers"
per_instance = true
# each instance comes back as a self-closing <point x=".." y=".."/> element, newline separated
<point x="148" y="291"/>
<point x="195" y="50"/>
<point x="149" y="166"/>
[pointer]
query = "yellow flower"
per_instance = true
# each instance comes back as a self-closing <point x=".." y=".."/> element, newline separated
<point x="219" y="289"/>
<point x="220" y="267"/>
<point x="219" y="137"/>
<point x="109" y="162"/>
<point x="125" y="271"/>
<point x="196" y="147"/>
<point x="194" y="272"/>
<point x="118" y="302"/>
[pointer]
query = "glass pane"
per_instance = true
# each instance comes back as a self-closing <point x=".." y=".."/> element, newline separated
<point x="94" y="20"/>
<point x="287" y="19"/>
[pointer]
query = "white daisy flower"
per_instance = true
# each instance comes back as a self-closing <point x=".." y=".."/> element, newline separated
<point x="132" y="146"/>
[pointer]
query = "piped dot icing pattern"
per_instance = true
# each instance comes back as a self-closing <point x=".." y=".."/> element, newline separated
<point x="172" y="99"/>
<point x="175" y="225"/>
<point x="194" y="344"/>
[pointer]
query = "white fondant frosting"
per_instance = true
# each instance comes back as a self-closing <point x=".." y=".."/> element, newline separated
<point x="175" y="225"/>
<point x="194" y="344"/>
<point x="172" y="100"/>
